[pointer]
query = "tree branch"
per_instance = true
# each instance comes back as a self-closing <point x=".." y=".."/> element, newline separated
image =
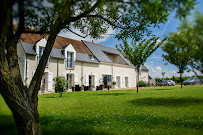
<point x="76" y="33"/>
<point x="73" y="19"/>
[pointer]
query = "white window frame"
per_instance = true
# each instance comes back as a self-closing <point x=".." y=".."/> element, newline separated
<point x="70" y="60"/>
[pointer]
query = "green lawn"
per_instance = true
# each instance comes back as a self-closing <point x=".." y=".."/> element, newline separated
<point x="161" y="110"/>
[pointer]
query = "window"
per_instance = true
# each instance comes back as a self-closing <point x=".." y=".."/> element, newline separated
<point x="92" y="57"/>
<point x="41" y="50"/>
<point x="70" y="60"/>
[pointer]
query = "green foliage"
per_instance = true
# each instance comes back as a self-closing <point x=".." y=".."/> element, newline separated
<point x="155" y="111"/>
<point x="178" y="50"/>
<point x="143" y="84"/>
<point x="60" y="84"/>
<point x="194" y="32"/>
<point x="176" y="78"/>
<point x="94" y="18"/>
<point x="137" y="54"/>
<point x="114" y="83"/>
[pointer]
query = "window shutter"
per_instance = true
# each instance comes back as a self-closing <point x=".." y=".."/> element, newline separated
<point x="50" y="81"/>
<point x="86" y="80"/>
<point x="95" y="81"/>
<point x="76" y="79"/>
<point x="121" y="82"/>
<point x="129" y="82"/>
<point x="73" y="62"/>
<point x="124" y="82"/>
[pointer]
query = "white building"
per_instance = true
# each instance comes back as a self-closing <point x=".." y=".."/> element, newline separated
<point x="80" y="62"/>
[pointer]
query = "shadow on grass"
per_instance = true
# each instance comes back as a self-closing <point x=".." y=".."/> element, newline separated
<point x="160" y="89"/>
<point x="70" y="126"/>
<point x="81" y="125"/>
<point x="112" y="94"/>
<point x="7" y="125"/>
<point x="170" y="102"/>
<point x="51" y="97"/>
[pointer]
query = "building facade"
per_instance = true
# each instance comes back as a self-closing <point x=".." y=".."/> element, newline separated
<point x="80" y="62"/>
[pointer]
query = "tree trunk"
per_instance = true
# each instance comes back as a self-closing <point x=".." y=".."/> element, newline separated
<point x="181" y="81"/>
<point x="137" y="80"/>
<point x="27" y="126"/>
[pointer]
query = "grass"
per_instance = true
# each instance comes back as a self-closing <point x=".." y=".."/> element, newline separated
<point x="159" y="110"/>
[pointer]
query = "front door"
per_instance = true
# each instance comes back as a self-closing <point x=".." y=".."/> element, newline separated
<point x="106" y="80"/>
<point x="70" y="80"/>
<point x="91" y="80"/>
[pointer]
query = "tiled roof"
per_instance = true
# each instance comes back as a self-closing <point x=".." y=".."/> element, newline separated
<point x="85" y="58"/>
<point x="28" y="48"/>
<point x="59" y="43"/>
<point x="83" y="48"/>
<point x="98" y="51"/>
<point x="56" y="53"/>
<point x="144" y="68"/>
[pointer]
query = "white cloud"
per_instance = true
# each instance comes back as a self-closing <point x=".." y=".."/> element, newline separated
<point x="71" y="35"/>
<point x="151" y="62"/>
<point x="156" y="57"/>
<point x="158" y="68"/>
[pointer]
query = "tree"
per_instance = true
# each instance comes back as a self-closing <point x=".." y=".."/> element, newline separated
<point x="49" y="17"/>
<point x="194" y="31"/>
<point x="163" y="73"/>
<point x="178" y="52"/>
<point x="137" y="54"/>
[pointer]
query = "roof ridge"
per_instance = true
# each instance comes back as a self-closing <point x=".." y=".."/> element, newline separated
<point x="69" y="38"/>
<point x="100" y="45"/>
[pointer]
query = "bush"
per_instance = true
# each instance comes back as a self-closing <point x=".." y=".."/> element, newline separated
<point x="114" y="83"/>
<point x="60" y="84"/>
<point x="143" y="84"/>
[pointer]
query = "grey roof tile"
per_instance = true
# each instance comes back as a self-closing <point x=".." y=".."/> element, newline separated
<point x="85" y="58"/>
<point x="28" y="48"/>
<point x="98" y="51"/>
<point x="56" y="53"/>
<point x="144" y="68"/>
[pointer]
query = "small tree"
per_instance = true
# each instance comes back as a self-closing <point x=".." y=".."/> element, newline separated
<point x="137" y="54"/>
<point x="178" y="51"/>
<point x="163" y="73"/>
<point x="60" y="84"/>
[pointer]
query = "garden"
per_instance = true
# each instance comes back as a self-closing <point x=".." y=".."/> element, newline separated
<point x="158" y="110"/>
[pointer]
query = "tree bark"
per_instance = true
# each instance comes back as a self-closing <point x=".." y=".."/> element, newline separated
<point x="181" y="81"/>
<point x="137" y="79"/>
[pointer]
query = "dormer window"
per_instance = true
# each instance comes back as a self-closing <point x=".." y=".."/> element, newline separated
<point x="92" y="57"/>
<point x="70" y="60"/>
<point x="41" y="50"/>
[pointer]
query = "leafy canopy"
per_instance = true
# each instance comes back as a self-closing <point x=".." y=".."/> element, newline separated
<point x="137" y="53"/>
<point x="93" y="18"/>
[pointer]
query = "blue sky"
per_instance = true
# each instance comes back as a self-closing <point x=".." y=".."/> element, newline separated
<point x="155" y="62"/>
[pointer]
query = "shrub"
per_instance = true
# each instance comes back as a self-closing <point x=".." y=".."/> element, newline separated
<point x="60" y="84"/>
<point x="114" y="83"/>
<point x="143" y="84"/>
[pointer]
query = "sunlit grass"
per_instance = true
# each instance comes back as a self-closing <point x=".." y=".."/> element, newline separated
<point x="159" y="110"/>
